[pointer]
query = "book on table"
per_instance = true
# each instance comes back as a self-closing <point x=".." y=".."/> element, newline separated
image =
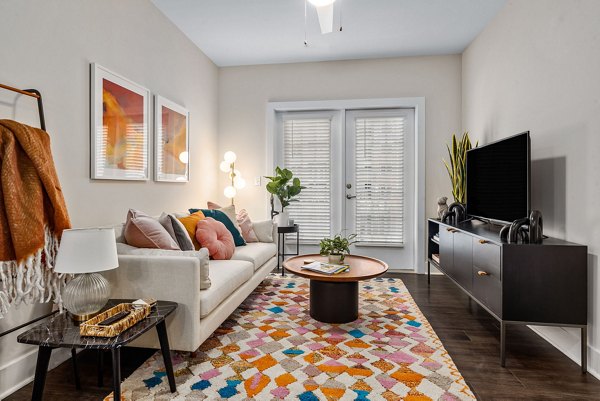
<point x="326" y="268"/>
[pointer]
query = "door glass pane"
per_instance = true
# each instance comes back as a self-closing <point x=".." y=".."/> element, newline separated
<point x="307" y="153"/>
<point x="379" y="175"/>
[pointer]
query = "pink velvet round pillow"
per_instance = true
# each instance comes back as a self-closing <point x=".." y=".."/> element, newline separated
<point x="214" y="236"/>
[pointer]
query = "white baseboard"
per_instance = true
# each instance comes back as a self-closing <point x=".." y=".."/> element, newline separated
<point x="568" y="341"/>
<point x="20" y="371"/>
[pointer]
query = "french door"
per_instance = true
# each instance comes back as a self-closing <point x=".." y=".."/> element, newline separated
<point x="358" y="167"/>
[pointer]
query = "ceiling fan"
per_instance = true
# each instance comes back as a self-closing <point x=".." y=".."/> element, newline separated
<point x="325" y="13"/>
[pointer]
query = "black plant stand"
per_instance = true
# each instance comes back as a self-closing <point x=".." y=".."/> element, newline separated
<point x="281" y="232"/>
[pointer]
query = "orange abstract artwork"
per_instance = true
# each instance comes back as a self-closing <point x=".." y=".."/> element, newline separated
<point x="174" y="155"/>
<point x="124" y="138"/>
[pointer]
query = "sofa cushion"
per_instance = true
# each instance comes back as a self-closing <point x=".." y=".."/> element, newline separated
<point x="229" y="212"/>
<point x="222" y="217"/>
<point x="143" y="231"/>
<point x="226" y="276"/>
<point x="264" y="230"/>
<point x="190" y="222"/>
<point x="214" y="236"/>
<point x="202" y="255"/>
<point x="258" y="253"/>
<point x="246" y="226"/>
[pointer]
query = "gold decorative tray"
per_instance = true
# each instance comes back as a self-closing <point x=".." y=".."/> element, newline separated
<point x="91" y="327"/>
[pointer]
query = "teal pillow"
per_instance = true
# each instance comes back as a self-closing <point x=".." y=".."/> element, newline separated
<point x="222" y="217"/>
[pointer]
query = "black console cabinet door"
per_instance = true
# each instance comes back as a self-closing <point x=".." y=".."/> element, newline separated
<point x="463" y="260"/>
<point x="447" y="250"/>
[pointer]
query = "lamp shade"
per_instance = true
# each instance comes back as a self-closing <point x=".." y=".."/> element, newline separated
<point x="87" y="250"/>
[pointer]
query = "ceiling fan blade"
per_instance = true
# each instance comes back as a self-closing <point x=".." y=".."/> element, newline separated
<point x="325" y="14"/>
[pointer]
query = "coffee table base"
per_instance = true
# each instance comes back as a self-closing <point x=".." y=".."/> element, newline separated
<point x="334" y="302"/>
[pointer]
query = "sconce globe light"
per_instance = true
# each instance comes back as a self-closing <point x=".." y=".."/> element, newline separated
<point x="235" y="176"/>
<point x="225" y="166"/>
<point x="230" y="192"/>
<point x="230" y="157"/>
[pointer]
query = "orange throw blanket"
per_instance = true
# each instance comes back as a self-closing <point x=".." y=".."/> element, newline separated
<point x="33" y="215"/>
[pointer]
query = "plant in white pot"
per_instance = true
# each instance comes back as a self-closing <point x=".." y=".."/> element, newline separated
<point x="286" y="188"/>
<point x="337" y="248"/>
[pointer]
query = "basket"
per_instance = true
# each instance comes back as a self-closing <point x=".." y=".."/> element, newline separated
<point x="91" y="327"/>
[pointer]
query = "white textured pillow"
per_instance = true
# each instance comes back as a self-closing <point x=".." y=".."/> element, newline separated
<point x="263" y="230"/>
<point x="202" y="255"/>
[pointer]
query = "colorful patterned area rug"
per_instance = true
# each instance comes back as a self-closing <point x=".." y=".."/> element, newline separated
<point x="271" y="349"/>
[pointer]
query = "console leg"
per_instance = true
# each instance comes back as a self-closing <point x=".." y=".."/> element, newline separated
<point x="163" y="338"/>
<point x="100" y="368"/>
<point x="75" y="370"/>
<point x="116" y="365"/>
<point x="428" y="272"/>
<point x="41" y="369"/>
<point x="502" y="344"/>
<point x="584" y="349"/>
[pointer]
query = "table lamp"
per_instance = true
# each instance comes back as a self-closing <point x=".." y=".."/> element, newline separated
<point x="85" y="252"/>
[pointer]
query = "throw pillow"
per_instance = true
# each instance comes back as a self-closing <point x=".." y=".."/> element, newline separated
<point x="202" y="255"/>
<point x="190" y="222"/>
<point x="181" y="234"/>
<point x="246" y="226"/>
<point x="143" y="231"/>
<point x="264" y="230"/>
<point x="222" y="217"/>
<point x="214" y="236"/>
<point x="166" y="223"/>
<point x="228" y="210"/>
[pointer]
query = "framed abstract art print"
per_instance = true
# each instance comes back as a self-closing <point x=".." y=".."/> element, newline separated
<point x="171" y="141"/>
<point x="119" y="127"/>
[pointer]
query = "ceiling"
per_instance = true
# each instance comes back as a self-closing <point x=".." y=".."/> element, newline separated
<point x="243" y="32"/>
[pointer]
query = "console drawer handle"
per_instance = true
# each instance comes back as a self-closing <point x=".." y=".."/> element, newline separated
<point x="482" y="273"/>
<point x="452" y="230"/>
<point x="482" y="241"/>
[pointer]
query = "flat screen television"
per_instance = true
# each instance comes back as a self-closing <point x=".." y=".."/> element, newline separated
<point x="498" y="179"/>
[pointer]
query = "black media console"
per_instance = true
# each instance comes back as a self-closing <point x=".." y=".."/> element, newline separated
<point x="533" y="284"/>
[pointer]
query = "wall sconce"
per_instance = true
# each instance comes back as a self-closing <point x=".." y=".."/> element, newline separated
<point x="237" y="182"/>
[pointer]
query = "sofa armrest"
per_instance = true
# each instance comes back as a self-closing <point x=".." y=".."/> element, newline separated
<point x="168" y="278"/>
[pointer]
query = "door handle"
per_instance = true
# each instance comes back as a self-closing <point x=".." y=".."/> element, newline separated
<point x="350" y="196"/>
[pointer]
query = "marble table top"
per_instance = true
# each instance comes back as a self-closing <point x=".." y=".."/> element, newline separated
<point x="61" y="331"/>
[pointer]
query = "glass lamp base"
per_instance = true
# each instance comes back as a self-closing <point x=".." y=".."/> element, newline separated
<point x="86" y="295"/>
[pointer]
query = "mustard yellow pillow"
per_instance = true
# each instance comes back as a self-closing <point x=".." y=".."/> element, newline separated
<point x="190" y="222"/>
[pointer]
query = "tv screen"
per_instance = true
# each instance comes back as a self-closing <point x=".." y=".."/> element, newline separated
<point x="498" y="179"/>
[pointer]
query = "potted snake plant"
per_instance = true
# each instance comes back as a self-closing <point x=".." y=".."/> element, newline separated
<point x="457" y="168"/>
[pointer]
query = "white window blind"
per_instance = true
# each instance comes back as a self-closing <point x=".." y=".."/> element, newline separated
<point x="379" y="154"/>
<point x="307" y="153"/>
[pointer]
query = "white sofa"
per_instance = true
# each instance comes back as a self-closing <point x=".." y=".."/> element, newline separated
<point x="177" y="278"/>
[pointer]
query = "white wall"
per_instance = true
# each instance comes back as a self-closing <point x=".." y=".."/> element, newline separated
<point x="48" y="45"/>
<point x="245" y="91"/>
<point x="535" y="67"/>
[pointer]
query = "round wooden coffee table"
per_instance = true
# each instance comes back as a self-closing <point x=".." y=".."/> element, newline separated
<point x="334" y="299"/>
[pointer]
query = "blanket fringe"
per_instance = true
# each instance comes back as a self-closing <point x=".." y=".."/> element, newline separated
<point x="33" y="279"/>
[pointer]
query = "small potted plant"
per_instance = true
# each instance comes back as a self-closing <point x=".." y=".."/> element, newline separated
<point x="337" y="248"/>
<point x="286" y="188"/>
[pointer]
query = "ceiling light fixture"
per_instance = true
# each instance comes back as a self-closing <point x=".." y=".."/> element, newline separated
<point x="324" y="10"/>
<point x="321" y="3"/>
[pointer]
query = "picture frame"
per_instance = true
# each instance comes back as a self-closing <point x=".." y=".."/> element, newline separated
<point x="119" y="116"/>
<point x="171" y="141"/>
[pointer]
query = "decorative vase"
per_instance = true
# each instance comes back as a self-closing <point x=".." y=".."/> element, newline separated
<point x="282" y="219"/>
<point x="336" y="258"/>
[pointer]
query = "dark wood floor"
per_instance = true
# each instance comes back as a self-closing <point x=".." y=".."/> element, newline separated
<point x="535" y="370"/>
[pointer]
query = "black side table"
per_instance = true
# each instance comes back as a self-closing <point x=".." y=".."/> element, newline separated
<point x="61" y="332"/>
<point x="281" y="232"/>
